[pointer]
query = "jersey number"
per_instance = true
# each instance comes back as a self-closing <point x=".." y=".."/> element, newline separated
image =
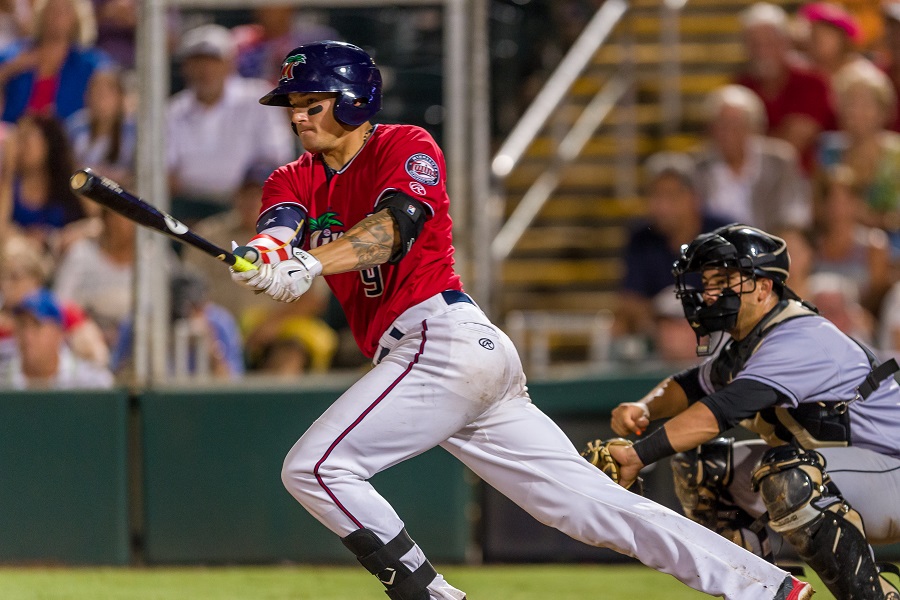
<point x="373" y="282"/>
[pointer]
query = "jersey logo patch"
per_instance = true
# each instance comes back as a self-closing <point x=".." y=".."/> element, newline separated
<point x="327" y="228"/>
<point x="417" y="187"/>
<point x="423" y="169"/>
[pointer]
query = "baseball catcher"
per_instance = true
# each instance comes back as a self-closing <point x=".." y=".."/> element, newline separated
<point x="826" y="410"/>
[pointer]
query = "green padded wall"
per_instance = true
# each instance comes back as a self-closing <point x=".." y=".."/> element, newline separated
<point x="206" y="485"/>
<point x="213" y="491"/>
<point x="64" y="477"/>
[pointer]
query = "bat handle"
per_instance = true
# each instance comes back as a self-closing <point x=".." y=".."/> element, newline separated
<point x="245" y="257"/>
<point x="242" y="264"/>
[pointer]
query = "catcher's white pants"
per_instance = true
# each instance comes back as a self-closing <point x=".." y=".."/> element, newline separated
<point x="455" y="380"/>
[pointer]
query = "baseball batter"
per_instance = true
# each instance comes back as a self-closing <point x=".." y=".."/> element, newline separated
<point x="367" y="208"/>
<point x="816" y="396"/>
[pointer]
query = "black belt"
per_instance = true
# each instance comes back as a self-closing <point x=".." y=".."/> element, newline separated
<point x="449" y="296"/>
<point x="454" y="296"/>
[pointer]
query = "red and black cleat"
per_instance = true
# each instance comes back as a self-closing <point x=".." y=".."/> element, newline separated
<point x="794" y="589"/>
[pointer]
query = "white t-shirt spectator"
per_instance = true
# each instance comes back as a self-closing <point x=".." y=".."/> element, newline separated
<point x="102" y="287"/>
<point x="210" y="148"/>
<point x="73" y="373"/>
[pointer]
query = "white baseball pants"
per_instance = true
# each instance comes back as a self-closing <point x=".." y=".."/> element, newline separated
<point x="453" y="379"/>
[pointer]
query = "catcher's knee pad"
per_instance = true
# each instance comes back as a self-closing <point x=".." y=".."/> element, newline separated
<point x="806" y="508"/>
<point x="890" y="590"/>
<point x="383" y="561"/>
<point x="702" y="477"/>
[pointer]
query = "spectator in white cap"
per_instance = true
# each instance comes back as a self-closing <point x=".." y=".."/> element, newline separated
<point x="216" y="127"/>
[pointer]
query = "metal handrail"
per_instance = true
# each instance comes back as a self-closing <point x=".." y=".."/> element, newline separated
<point x="567" y="151"/>
<point x="557" y="86"/>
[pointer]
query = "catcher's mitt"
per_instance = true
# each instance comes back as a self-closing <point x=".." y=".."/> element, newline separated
<point x="597" y="453"/>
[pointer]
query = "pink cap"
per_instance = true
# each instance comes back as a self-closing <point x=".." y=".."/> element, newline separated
<point x="834" y="15"/>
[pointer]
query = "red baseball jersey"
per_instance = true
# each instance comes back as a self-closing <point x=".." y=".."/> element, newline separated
<point x="400" y="158"/>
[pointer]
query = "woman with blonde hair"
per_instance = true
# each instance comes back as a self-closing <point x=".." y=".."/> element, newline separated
<point x="866" y="101"/>
<point x="49" y="72"/>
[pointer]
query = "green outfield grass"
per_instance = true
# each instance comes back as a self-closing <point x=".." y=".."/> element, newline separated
<point x="521" y="582"/>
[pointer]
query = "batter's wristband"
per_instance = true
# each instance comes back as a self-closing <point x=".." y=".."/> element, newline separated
<point x="654" y="447"/>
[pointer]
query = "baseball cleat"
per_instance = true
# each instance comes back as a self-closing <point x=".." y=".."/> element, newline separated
<point x="794" y="589"/>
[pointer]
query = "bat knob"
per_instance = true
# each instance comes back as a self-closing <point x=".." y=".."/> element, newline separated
<point x="248" y="253"/>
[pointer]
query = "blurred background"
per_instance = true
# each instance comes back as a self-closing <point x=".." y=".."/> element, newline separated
<point x="147" y="402"/>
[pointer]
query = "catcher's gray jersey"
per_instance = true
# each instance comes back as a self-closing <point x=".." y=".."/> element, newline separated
<point x="809" y="360"/>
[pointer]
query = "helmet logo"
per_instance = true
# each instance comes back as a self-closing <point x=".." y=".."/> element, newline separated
<point x="287" y="69"/>
<point x="423" y="169"/>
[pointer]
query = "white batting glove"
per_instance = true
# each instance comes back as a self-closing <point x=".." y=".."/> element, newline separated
<point x="285" y="281"/>
<point x="250" y="254"/>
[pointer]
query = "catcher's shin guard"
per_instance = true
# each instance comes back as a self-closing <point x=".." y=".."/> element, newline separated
<point x="383" y="561"/>
<point x="806" y="508"/>
<point x="702" y="477"/>
<point x="890" y="590"/>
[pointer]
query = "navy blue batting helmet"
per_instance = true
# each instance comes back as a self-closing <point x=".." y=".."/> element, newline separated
<point x="331" y="67"/>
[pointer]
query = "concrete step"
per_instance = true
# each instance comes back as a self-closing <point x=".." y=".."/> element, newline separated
<point x="571" y="241"/>
<point x="714" y="24"/>
<point x="604" y="145"/>
<point x="689" y="84"/>
<point x="735" y="5"/>
<point x="724" y="54"/>
<point x="593" y="209"/>
<point x="557" y="300"/>
<point x="555" y="272"/>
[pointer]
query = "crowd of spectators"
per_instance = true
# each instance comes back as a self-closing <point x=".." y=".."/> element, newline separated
<point x="67" y="84"/>
<point x="805" y="143"/>
<point x="802" y="144"/>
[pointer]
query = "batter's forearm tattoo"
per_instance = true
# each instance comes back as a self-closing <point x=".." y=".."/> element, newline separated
<point x="373" y="240"/>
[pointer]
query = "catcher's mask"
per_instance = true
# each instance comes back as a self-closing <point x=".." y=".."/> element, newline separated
<point x="331" y="67"/>
<point x="749" y="251"/>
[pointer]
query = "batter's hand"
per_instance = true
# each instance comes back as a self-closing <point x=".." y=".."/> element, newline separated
<point x="630" y="417"/>
<point x="285" y="281"/>
<point x="248" y="253"/>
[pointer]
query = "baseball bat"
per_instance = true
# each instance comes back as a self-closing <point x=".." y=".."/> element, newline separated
<point x="113" y="196"/>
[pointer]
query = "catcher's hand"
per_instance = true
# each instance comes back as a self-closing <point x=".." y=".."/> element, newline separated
<point x="597" y="453"/>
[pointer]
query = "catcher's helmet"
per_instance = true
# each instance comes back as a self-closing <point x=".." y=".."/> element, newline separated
<point x="741" y="247"/>
<point x="752" y="252"/>
<point x="331" y="67"/>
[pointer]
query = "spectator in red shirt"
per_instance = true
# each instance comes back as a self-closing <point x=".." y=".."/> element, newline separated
<point x="797" y="100"/>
